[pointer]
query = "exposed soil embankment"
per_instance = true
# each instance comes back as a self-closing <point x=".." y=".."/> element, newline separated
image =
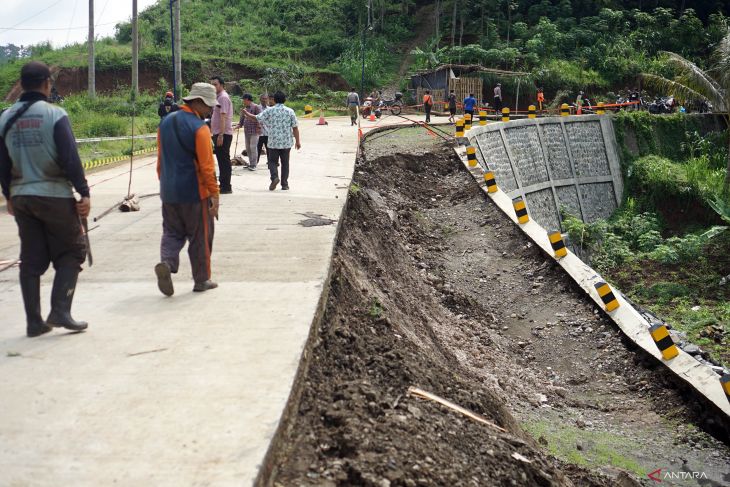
<point x="433" y="287"/>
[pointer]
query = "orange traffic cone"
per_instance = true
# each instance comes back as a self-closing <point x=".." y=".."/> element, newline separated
<point x="321" y="121"/>
<point x="372" y="117"/>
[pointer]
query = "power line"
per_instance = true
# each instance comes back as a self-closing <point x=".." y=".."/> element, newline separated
<point x="59" y="28"/>
<point x="33" y="16"/>
<point x="73" y="17"/>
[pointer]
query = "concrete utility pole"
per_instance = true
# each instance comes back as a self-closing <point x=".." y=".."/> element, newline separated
<point x="135" y="50"/>
<point x="92" y="61"/>
<point x="178" y="48"/>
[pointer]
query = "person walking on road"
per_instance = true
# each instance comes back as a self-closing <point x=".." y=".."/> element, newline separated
<point x="452" y="106"/>
<point x="168" y="106"/>
<point x="353" y="105"/>
<point x="251" y="131"/>
<point x="469" y="103"/>
<point x="39" y="169"/>
<point x="427" y="105"/>
<point x="220" y="125"/>
<point x="264" y="137"/>
<point x="281" y="123"/>
<point x="498" y="98"/>
<point x="188" y="189"/>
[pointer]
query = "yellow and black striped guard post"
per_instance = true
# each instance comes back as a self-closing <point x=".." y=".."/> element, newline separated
<point x="490" y="182"/>
<point x="505" y="114"/>
<point x="601" y="110"/>
<point x="531" y="112"/>
<point x="607" y="296"/>
<point x="564" y="110"/>
<point x="664" y="342"/>
<point x="308" y="110"/>
<point x="471" y="155"/>
<point x="725" y="383"/>
<point x="520" y="210"/>
<point x="467" y="121"/>
<point x="556" y="241"/>
<point x="482" y="117"/>
<point x="460" y="128"/>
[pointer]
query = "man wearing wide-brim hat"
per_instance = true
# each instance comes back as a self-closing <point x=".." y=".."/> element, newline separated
<point x="188" y="189"/>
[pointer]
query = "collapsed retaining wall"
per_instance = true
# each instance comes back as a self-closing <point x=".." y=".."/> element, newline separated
<point x="552" y="163"/>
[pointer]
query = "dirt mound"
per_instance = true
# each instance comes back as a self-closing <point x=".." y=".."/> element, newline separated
<point x="434" y="287"/>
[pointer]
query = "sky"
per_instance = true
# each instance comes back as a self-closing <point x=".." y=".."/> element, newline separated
<point x="61" y="21"/>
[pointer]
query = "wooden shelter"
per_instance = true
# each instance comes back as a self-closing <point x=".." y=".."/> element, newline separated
<point x="463" y="79"/>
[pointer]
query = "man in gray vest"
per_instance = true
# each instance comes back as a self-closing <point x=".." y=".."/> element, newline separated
<point x="39" y="169"/>
<point x="353" y="104"/>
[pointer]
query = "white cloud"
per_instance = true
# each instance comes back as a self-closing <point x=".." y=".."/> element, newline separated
<point x="56" y="16"/>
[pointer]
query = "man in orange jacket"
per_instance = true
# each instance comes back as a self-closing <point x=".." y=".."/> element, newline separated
<point x="188" y="189"/>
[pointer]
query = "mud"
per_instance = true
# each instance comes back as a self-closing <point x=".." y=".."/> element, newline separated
<point x="433" y="287"/>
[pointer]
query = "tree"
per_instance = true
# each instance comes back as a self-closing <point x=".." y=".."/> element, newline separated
<point x="694" y="83"/>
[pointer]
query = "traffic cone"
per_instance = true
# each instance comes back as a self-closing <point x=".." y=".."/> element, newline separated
<point x="372" y="117"/>
<point x="321" y="121"/>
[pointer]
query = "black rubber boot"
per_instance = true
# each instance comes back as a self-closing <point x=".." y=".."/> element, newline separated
<point x="30" y="286"/>
<point x="64" y="285"/>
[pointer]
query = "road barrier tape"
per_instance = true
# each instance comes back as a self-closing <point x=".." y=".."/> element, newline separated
<point x="664" y="342"/>
<point x="490" y="182"/>
<point x="564" y="110"/>
<point x="556" y="241"/>
<point x="505" y="114"/>
<point x="108" y="160"/>
<point x="471" y="156"/>
<point x="607" y="296"/>
<point x="467" y="121"/>
<point x="520" y="210"/>
<point x="531" y="112"/>
<point x="460" y="128"/>
<point x="725" y="382"/>
<point x="482" y="117"/>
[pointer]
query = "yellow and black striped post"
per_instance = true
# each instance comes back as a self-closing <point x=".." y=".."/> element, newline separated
<point x="490" y="182"/>
<point x="460" y="128"/>
<point x="467" y="121"/>
<point x="607" y="296"/>
<point x="531" y="112"/>
<point x="505" y="114"/>
<point x="725" y="382"/>
<point x="520" y="210"/>
<point x="601" y="110"/>
<point x="556" y="240"/>
<point x="664" y="342"/>
<point x="307" y="110"/>
<point x="564" y="110"/>
<point x="471" y="156"/>
<point x="482" y="117"/>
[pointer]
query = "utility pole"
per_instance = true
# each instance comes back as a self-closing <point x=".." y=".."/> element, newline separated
<point x="172" y="46"/>
<point x="135" y="51"/>
<point x="92" y="70"/>
<point x="178" y="48"/>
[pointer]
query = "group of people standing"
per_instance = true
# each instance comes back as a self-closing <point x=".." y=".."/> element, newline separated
<point x="43" y="182"/>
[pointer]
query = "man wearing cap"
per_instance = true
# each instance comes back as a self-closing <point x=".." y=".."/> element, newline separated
<point x="188" y="189"/>
<point x="220" y="125"/>
<point x="168" y="106"/>
<point x="39" y="169"/>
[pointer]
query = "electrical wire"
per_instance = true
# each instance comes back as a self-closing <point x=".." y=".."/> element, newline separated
<point x="55" y="28"/>
<point x="73" y="17"/>
<point x="31" y="17"/>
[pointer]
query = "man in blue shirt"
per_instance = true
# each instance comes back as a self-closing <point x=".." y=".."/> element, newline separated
<point x="469" y="104"/>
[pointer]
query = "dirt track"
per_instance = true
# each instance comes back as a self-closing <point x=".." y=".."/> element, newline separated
<point x="433" y="287"/>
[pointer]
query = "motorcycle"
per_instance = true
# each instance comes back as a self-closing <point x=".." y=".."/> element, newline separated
<point x="660" y="105"/>
<point x="394" y="106"/>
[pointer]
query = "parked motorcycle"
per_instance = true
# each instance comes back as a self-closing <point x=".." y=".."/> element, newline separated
<point x="664" y="104"/>
<point x="394" y="106"/>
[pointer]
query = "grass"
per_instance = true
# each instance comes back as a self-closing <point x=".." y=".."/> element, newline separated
<point x="376" y="309"/>
<point x="599" y="448"/>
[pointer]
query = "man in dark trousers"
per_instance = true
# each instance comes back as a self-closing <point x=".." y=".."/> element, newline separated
<point x="39" y="169"/>
<point x="220" y="125"/>
<point x="188" y="189"/>
<point x="281" y="124"/>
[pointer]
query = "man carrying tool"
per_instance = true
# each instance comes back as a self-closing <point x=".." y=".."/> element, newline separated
<point x="39" y="168"/>
<point x="188" y="189"/>
<point x="251" y="131"/>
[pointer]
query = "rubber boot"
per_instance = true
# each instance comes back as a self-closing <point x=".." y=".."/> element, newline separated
<point x="64" y="285"/>
<point x="30" y="286"/>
